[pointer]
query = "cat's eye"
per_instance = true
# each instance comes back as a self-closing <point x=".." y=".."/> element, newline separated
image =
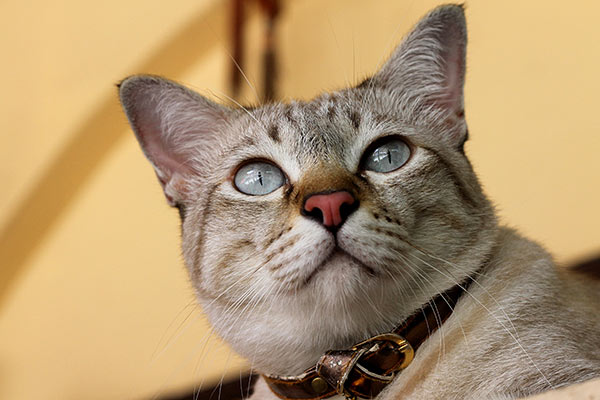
<point x="386" y="156"/>
<point x="258" y="178"/>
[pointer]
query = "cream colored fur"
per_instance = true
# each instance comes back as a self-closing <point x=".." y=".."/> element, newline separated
<point x="282" y="289"/>
<point x="518" y="331"/>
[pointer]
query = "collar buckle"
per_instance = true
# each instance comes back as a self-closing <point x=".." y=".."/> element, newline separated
<point x="365" y="369"/>
<point x="402" y="347"/>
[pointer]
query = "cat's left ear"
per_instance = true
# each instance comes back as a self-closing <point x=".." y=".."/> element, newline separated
<point x="179" y="130"/>
<point x="427" y="71"/>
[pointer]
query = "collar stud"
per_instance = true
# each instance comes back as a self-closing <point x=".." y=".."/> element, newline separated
<point x="319" y="385"/>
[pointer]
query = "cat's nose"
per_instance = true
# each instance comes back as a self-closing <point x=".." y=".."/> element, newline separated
<point x="330" y="209"/>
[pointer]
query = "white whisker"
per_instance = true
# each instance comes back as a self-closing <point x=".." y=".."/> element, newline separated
<point x="511" y="334"/>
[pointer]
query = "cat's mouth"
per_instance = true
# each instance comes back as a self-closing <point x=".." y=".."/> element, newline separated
<point x="340" y="257"/>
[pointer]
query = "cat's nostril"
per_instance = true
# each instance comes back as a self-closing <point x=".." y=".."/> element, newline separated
<point x="330" y="209"/>
<point x="315" y="214"/>
<point x="347" y="209"/>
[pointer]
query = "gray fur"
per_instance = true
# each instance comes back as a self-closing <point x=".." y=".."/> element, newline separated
<point x="271" y="280"/>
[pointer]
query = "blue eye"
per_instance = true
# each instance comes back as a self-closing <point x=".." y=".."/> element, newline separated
<point x="258" y="178"/>
<point x="387" y="157"/>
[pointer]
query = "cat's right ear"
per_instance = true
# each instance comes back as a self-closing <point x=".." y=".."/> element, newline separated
<point x="177" y="129"/>
<point x="426" y="73"/>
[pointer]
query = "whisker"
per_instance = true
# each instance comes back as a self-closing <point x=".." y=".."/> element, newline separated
<point x="163" y="346"/>
<point x="203" y="344"/>
<point x="433" y="306"/>
<point x="474" y="281"/>
<point x="415" y="268"/>
<point x="243" y="108"/>
<point x="237" y="66"/>
<point x="339" y="48"/>
<point x="238" y="281"/>
<point x="513" y="337"/>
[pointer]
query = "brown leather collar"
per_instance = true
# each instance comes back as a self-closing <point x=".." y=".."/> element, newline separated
<point x="366" y="368"/>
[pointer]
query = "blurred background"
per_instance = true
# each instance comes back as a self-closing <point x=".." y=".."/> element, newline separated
<point x="94" y="300"/>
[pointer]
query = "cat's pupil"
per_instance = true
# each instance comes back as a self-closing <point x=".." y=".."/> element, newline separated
<point x="387" y="157"/>
<point x="258" y="178"/>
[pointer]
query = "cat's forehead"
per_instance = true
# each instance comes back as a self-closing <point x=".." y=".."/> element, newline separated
<point x="328" y="126"/>
<point x="315" y="125"/>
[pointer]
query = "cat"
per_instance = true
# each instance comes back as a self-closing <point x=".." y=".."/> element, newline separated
<point x="311" y="226"/>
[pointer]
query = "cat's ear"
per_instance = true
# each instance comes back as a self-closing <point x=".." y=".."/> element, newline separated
<point x="177" y="129"/>
<point x="428" y="68"/>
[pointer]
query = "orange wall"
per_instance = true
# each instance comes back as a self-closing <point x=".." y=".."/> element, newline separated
<point x="96" y="304"/>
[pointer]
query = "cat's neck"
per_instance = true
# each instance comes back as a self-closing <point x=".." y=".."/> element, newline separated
<point x="382" y="355"/>
<point x="288" y="338"/>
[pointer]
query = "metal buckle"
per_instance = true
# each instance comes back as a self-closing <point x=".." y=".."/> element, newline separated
<point x="341" y="387"/>
<point x="402" y="346"/>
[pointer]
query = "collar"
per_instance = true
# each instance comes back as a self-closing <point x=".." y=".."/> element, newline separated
<point x="365" y="369"/>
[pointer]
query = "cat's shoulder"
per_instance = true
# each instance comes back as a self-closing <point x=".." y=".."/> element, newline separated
<point x="515" y="254"/>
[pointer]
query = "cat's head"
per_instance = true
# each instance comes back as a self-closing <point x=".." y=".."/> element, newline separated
<point x="311" y="225"/>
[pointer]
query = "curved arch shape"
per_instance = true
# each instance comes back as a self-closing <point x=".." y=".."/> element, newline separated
<point x="61" y="181"/>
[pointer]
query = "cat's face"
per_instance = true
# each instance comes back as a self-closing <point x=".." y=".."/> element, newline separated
<point x="274" y="274"/>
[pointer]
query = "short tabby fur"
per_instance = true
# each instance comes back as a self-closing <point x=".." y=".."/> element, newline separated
<point x="282" y="289"/>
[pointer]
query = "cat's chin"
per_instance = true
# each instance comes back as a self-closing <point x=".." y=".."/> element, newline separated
<point x="343" y="302"/>
<point x="337" y="286"/>
<point x="338" y="267"/>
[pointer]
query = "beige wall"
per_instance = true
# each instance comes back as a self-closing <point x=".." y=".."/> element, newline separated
<point x="94" y="300"/>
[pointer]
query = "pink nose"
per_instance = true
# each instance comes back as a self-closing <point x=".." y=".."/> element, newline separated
<point x="330" y="206"/>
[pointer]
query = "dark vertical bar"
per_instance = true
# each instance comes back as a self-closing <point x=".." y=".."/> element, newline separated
<point x="270" y="70"/>
<point x="269" y="64"/>
<point x="238" y="19"/>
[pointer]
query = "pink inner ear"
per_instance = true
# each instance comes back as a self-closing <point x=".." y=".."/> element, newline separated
<point x="454" y="72"/>
<point x="165" y="160"/>
<point x="165" y="156"/>
<point x="177" y="128"/>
